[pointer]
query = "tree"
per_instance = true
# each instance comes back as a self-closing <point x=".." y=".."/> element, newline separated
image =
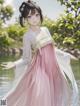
<point x="6" y="12"/>
<point x="69" y="25"/>
<point x="72" y="6"/>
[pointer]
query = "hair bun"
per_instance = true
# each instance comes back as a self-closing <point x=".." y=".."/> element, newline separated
<point x="29" y="1"/>
<point x="21" y="9"/>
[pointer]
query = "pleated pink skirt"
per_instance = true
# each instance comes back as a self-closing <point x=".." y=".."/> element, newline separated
<point x="43" y="84"/>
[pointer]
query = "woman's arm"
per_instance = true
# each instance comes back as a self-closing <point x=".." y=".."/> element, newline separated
<point x="27" y="55"/>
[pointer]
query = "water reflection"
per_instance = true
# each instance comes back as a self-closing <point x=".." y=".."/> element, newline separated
<point x="6" y="76"/>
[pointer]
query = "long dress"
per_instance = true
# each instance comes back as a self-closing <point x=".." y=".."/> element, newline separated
<point x="41" y="74"/>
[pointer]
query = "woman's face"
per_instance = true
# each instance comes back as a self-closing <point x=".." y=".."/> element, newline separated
<point x="34" y="19"/>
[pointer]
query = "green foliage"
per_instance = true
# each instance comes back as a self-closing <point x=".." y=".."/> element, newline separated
<point x="67" y="27"/>
<point x="5" y="41"/>
<point x="6" y="12"/>
<point x="71" y="6"/>
<point x="68" y="41"/>
<point x="65" y="31"/>
<point x="1" y="1"/>
<point x="16" y="32"/>
<point x="1" y="24"/>
<point x="11" y="35"/>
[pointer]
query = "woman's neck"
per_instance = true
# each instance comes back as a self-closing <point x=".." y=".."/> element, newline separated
<point x="35" y="28"/>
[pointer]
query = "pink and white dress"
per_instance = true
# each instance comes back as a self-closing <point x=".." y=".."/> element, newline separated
<point x="40" y="78"/>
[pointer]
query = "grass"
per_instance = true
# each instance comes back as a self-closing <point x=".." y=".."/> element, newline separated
<point x="76" y="68"/>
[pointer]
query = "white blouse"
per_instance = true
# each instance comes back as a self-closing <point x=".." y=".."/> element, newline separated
<point x="32" y="42"/>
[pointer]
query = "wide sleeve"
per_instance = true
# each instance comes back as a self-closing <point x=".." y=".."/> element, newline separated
<point x="63" y="59"/>
<point x="27" y="54"/>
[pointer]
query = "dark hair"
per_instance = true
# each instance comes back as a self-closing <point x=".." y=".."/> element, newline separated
<point x="25" y="9"/>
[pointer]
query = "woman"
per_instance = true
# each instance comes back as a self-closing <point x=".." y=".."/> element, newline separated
<point x="42" y="81"/>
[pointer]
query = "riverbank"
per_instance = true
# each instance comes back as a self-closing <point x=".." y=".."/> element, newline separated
<point x="18" y="51"/>
<point x="10" y="51"/>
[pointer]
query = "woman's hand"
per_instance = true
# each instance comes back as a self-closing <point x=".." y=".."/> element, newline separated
<point x="8" y="65"/>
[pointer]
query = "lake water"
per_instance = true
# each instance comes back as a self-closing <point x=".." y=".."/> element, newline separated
<point x="7" y="76"/>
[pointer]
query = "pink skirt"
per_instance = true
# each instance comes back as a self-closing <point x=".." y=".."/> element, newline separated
<point x="43" y="84"/>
